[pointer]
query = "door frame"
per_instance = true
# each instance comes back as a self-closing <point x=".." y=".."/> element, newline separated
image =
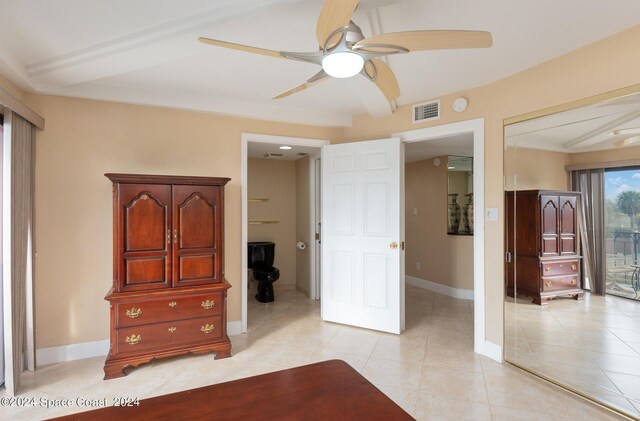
<point x="475" y="126"/>
<point x="245" y="138"/>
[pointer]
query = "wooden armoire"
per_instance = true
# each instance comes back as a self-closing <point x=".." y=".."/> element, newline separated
<point x="543" y="259"/>
<point x="169" y="292"/>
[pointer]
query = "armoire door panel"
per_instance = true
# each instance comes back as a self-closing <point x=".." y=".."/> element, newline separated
<point x="145" y="219"/>
<point x="197" y="267"/>
<point x="549" y="225"/>
<point x="196" y="222"/>
<point x="143" y="236"/>
<point x="568" y="216"/>
<point x="145" y="271"/>
<point x="197" y="232"/>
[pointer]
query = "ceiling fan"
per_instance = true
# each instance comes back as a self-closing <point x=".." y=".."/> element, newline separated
<point x="629" y="136"/>
<point x="345" y="52"/>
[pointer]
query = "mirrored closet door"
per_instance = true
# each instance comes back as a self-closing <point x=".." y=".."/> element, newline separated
<point x="572" y="237"/>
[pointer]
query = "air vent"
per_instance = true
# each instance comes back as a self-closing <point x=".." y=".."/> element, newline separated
<point x="427" y="111"/>
<point x="302" y="154"/>
<point x="272" y="155"/>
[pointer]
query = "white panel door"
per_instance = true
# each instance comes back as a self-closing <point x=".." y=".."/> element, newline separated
<point x="361" y="251"/>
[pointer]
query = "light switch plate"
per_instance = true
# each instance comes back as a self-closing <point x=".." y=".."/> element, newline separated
<point x="491" y="214"/>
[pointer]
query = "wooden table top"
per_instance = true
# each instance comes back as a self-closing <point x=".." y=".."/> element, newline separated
<point x="329" y="390"/>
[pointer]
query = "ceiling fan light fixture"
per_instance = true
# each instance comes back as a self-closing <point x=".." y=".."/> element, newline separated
<point x="342" y="64"/>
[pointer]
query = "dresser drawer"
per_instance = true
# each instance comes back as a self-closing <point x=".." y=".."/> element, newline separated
<point x="165" y="336"/>
<point x="560" y="268"/>
<point x="166" y="309"/>
<point x="560" y="283"/>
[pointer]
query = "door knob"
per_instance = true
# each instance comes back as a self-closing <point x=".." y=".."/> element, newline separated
<point x="393" y="245"/>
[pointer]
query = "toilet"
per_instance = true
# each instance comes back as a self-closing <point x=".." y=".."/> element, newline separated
<point x="260" y="260"/>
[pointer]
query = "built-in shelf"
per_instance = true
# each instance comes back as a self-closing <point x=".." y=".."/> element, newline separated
<point x="255" y="222"/>
<point x="257" y="199"/>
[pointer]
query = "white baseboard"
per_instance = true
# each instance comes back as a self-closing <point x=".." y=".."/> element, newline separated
<point x="58" y="354"/>
<point x="234" y="328"/>
<point x="492" y="351"/>
<point x="465" y="294"/>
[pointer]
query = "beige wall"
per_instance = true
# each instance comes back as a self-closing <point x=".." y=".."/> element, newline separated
<point x="459" y="184"/>
<point x="303" y="224"/>
<point x="274" y="180"/>
<point x="611" y="155"/>
<point x="574" y="76"/>
<point x="535" y="169"/>
<point x="85" y="139"/>
<point x="444" y="259"/>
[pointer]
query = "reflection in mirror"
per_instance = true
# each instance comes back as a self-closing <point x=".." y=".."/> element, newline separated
<point x="460" y="195"/>
<point x="572" y="220"/>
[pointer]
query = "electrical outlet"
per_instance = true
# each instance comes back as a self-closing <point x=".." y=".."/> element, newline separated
<point x="415" y="211"/>
<point x="492" y="214"/>
<point x="417" y="265"/>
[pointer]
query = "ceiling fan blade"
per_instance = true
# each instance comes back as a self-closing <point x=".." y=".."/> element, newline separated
<point x="246" y="48"/>
<point x="631" y="131"/>
<point x="627" y="141"/>
<point x="318" y="77"/>
<point x="385" y="79"/>
<point x="335" y="14"/>
<point x="428" y="40"/>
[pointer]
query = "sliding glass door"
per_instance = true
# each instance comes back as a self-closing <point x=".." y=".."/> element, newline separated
<point x="622" y="231"/>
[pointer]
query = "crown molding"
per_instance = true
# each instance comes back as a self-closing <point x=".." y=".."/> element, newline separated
<point x="205" y="104"/>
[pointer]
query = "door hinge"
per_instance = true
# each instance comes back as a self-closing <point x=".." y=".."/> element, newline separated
<point x="508" y="257"/>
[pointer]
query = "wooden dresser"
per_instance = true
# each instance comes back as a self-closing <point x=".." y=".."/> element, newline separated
<point x="544" y="256"/>
<point x="169" y="292"/>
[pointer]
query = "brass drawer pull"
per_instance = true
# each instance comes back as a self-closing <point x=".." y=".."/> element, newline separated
<point x="134" y="312"/>
<point x="574" y="267"/>
<point x="207" y="328"/>
<point x="547" y="283"/>
<point x="574" y="282"/>
<point x="547" y="268"/>
<point x="168" y="236"/>
<point x="207" y="305"/>
<point x="172" y="329"/>
<point x="172" y="304"/>
<point x="133" y="339"/>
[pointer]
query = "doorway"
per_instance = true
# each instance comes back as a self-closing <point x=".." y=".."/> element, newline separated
<point x="280" y="212"/>
<point x="476" y="126"/>
<point x="476" y="129"/>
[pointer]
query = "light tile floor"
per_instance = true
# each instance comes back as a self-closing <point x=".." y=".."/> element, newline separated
<point x="430" y="370"/>
<point x="591" y="345"/>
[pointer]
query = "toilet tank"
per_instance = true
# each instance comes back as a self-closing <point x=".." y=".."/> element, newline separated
<point x="261" y="253"/>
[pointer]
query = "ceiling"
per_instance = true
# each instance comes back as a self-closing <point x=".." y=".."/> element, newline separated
<point x="258" y="150"/>
<point x="458" y="145"/>
<point x="146" y="51"/>
<point x="582" y="129"/>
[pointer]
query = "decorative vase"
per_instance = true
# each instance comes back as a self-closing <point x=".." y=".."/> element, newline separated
<point x="464" y="220"/>
<point x="470" y="213"/>
<point x="453" y="214"/>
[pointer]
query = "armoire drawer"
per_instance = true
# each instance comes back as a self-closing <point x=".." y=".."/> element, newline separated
<point x="164" y="336"/>
<point x="172" y="308"/>
<point x="560" y="283"/>
<point x="560" y="268"/>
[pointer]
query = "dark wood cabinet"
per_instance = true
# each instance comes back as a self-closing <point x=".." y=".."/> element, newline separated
<point x="169" y="292"/>
<point x="543" y="259"/>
